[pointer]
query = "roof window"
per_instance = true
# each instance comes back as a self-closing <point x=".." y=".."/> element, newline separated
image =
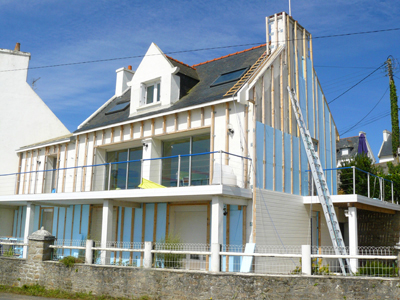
<point x="229" y="77"/>
<point x="118" y="107"/>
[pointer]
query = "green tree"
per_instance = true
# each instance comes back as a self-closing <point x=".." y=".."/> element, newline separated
<point x="393" y="175"/>
<point x="394" y="109"/>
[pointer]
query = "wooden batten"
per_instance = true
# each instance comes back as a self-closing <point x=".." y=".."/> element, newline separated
<point x="189" y="119"/>
<point x="164" y="125"/>
<point x="116" y="231"/>
<point x="132" y="234"/>
<point x="155" y="223"/>
<point x="93" y="159"/>
<point x="167" y="223"/>
<point x="65" y="226"/>
<point x="263" y="101"/>
<point x="25" y="168"/>
<point x="272" y="98"/>
<point x="152" y="127"/>
<point x="121" y="133"/>
<point x="246" y="140"/>
<point x="131" y="131"/>
<point x="175" y="122"/>
<point x="212" y="137"/>
<point x="226" y="133"/>
<point x="80" y="219"/>
<point x="143" y="230"/>
<point x="19" y="173"/>
<point x="58" y="165"/>
<point x="58" y="220"/>
<point x="202" y="116"/>
<point x="281" y="91"/>
<point x="44" y="167"/>
<point x="296" y="67"/>
<point x="264" y="164"/>
<point x="305" y="77"/>
<point x="85" y="162"/>
<point x="291" y="165"/>
<point x="121" y="234"/>
<point x="76" y="162"/>
<point x="103" y="134"/>
<point x="72" y="225"/>
<point x="141" y="129"/>
<point x="112" y="135"/>
<point x="65" y="166"/>
<point x="30" y="172"/>
<point x="274" y="163"/>
<point x="244" y="227"/>
<point x="289" y="71"/>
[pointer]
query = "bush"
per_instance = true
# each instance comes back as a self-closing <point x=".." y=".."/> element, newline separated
<point x="377" y="268"/>
<point x="169" y="260"/>
<point x="69" y="261"/>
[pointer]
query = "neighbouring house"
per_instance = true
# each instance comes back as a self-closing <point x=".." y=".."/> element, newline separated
<point x="385" y="152"/>
<point x="24" y="119"/>
<point x="347" y="148"/>
<point x="220" y="135"/>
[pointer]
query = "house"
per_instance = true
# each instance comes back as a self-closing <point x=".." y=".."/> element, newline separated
<point x="23" y="115"/>
<point x="347" y="148"/>
<point x="385" y="152"/>
<point x="220" y="135"/>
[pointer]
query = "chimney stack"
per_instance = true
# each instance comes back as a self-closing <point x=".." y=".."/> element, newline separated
<point x="17" y="47"/>
<point x="130" y="67"/>
<point x="123" y="77"/>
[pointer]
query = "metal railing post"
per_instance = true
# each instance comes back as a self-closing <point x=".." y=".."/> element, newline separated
<point x="369" y="193"/>
<point x="178" y="184"/>
<point x="354" y="179"/>
<point x="109" y="175"/>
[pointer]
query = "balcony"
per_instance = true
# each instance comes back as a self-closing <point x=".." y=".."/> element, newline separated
<point x="189" y="170"/>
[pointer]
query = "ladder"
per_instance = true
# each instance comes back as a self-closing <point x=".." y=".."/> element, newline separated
<point x="320" y="183"/>
<point x="246" y="76"/>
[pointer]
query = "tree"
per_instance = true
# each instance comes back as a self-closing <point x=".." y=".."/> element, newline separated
<point x="394" y="109"/>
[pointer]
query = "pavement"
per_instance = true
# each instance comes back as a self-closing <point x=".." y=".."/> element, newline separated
<point x="7" y="296"/>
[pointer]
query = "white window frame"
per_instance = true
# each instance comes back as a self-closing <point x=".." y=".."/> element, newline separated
<point x="156" y="92"/>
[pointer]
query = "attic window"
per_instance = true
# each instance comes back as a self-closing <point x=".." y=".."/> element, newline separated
<point x="345" y="151"/>
<point x="229" y="77"/>
<point x="118" y="107"/>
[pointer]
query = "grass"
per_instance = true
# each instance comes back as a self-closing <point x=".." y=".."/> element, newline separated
<point x="38" y="290"/>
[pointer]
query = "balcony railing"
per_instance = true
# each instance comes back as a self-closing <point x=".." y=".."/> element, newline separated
<point x="207" y="168"/>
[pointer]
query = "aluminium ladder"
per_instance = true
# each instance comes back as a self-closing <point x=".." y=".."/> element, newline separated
<point x="320" y="183"/>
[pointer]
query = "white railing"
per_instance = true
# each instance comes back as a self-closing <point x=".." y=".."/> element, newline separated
<point x="292" y="260"/>
<point x="207" y="168"/>
<point x="12" y="247"/>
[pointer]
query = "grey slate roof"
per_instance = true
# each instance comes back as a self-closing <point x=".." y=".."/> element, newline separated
<point x="201" y="93"/>
<point x="387" y="147"/>
<point x="351" y="143"/>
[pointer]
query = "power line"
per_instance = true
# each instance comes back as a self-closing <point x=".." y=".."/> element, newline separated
<point x="368" y="112"/>
<point x="195" y="50"/>
<point x="357" y="83"/>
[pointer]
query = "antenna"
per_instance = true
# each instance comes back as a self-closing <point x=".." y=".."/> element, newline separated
<point x="290" y="9"/>
<point x="33" y="83"/>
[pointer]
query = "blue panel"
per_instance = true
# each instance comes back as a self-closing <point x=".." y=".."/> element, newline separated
<point x="118" y="237"/>
<point x="127" y="224"/>
<point x="304" y="168"/>
<point x="36" y="218"/>
<point x="161" y="221"/>
<point x="54" y="228"/>
<point x="278" y="161"/>
<point x="236" y="229"/>
<point x="68" y="227"/>
<point x="85" y="220"/>
<point x="328" y="149"/>
<point x="269" y="157"/>
<point x="334" y="173"/>
<point x="296" y="161"/>
<point x="259" y="154"/>
<point x="75" y="231"/>
<point x="149" y="223"/>
<point x="300" y="63"/>
<point x="310" y="97"/>
<point x="137" y="235"/>
<point x="15" y="223"/>
<point x="288" y="161"/>
<point x="23" y="220"/>
<point x="302" y="96"/>
<point x="62" y="211"/>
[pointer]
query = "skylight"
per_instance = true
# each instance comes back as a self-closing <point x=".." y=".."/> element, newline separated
<point x="229" y="77"/>
<point x="118" y="107"/>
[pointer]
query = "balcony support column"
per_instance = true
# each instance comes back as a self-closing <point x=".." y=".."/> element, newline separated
<point x="217" y="210"/>
<point x="106" y="229"/>
<point x="29" y="217"/>
<point x="353" y="238"/>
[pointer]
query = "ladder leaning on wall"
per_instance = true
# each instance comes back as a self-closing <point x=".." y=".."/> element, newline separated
<point x="320" y="183"/>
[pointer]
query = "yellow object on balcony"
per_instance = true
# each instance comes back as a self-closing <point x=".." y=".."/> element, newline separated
<point x="148" y="184"/>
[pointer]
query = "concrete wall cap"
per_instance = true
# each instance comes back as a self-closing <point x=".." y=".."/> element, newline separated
<point x="41" y="235"/>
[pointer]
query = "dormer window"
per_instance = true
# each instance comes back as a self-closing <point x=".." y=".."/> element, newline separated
<point x="152" y="92"/>
<point x="345" y="151"/>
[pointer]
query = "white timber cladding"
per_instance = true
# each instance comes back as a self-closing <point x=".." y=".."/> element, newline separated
<point x="90" y="148"/>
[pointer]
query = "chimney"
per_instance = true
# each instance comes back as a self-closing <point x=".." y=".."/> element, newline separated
<point x="386" y="135"/>
<point x="362" y="132"/>
<point x="123" y="77"/>
<point x="17" y="47"/>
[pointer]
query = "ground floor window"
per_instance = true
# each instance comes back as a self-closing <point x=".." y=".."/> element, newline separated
<point x="46" y="218"/>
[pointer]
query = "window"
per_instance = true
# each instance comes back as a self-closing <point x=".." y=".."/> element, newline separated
<point x="194" y="170"/>
<point x="345" y="151"/>
<point x="125" y="170"/>
<point x="118" y="107"/>
<point x="152" y="93"/>
<point x="50" y="175"/>
<point x="229" y="77"/>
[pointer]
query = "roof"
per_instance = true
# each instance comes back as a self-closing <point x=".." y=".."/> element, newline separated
<point x="350" y="143"/>
<point x="386" y="148"/>
<point x="201" y="93"/>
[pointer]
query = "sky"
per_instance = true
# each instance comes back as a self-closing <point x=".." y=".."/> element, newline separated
<point x="64" y="32"/>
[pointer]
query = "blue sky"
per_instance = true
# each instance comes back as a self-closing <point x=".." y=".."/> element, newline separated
<point x="57" y="32"/>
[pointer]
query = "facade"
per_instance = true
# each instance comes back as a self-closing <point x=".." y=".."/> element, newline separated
<point x="220" y="135"/>
<point x="347" y="148"/>
<point x="23" y="115"/>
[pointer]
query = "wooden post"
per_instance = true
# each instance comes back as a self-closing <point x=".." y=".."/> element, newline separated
<point x="289" y="72"/>
<point x="244" y="228"/>
<point x="65" y="166"/>
<point x="93" y="159"/>
<point x="30" y="172"/>
<point x="208" y="233"/>
<point x="141" y="129"/>
<point x="19" y="174"/>
<point x="189" y="119"/>
<point x="254" y="169"/>
<point x="152" y="127"/>
<point x="132" y="234"/>
<point x="164" y="124"/>
<point x="131" y="131"/>
<point x="176" y="122"/>
<point x="121" y="234"/>
<point x="281" y="91"/>
<point x="112" y="135"/>
<point x="85" y="162"/>
<point x="155" y="223"/>
<point x="202" y="116"/>
<point x="143" y="230"/>
<point x="76" y="162"/>
<point x="26" y="166"/>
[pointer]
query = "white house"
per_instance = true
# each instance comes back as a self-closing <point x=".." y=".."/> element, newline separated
<point x="385" y="152"/>
<point x="347" y="148"/>
<point x="220" y="135"/>
<point x="24" y="119"/>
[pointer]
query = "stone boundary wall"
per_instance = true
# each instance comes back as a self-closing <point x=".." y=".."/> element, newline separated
<point x="177" y="284"/>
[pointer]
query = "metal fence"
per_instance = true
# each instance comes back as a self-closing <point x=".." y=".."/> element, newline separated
<point x="12" y="247"/>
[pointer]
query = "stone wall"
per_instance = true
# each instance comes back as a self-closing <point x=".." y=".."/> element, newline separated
<point x="378" y="229"/>
<point x="171" y="284"/>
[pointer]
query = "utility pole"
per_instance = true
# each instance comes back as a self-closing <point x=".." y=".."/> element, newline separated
<point x="394" y="110"/>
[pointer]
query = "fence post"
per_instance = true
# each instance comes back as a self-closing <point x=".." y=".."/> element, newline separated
<point x="215" y="257"/>
<point x="147" y="261"/>
<point x="354" y="179"/>
<point x="306" y="259"/>
<point x="89" y="252"/>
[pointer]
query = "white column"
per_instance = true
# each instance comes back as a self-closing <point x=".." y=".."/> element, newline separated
<point x="217" y="224"/>
<point x="353" y="238"/>
<point x="106" y="229"/>
<point x="30" y="216"/>
<point x="151" y="168"/>
<point x="306" y="259"/>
